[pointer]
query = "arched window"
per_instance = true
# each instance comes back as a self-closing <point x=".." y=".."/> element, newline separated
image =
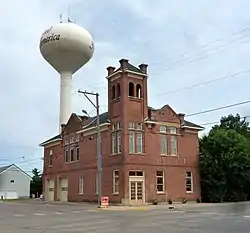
<point x="118" y="90"/>
<point x="113" y="93"/>
<point x="131" y="89"/>
<point x="138" y="91"/>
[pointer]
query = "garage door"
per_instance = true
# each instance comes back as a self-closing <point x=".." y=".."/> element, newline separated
<point x="64" y="189"/>
<point x="50" y="190"/>
<point x="8" y="194"/>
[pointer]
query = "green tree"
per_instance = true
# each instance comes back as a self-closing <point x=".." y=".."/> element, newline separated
<point x="225" y="161"/>
<point x="36" y="183"/>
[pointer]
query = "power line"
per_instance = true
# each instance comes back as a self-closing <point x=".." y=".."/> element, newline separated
<point x="217" y="40"/>
<point x="217" y="109"/>
<point x="216" y="122"/>
<point x="206" y="82"/>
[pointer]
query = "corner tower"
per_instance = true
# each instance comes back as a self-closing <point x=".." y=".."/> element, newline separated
<point x="127" y="91"/>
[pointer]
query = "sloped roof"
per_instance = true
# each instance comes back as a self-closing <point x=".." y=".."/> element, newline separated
<point x="132" y="68"/>
<point x="4" y="168"/>
<point x="104" y="119"/>
<point x="190" y="124"/>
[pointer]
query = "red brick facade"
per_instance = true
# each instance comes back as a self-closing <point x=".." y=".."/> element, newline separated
<point x="138" y="149"/>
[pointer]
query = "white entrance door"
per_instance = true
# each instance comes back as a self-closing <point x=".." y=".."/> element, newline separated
<point x="64" y="189"/>
<point x="136" y="192"/>
<point x="50" y="190"/>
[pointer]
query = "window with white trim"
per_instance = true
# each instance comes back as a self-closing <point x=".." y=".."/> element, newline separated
<point x="50" y="158"/>
<point x="139" y="143"/>
<point x="164" y="149"/>
<point x="189" y="182"/>
<point x="131" y="125"/>
<point x="114" y="143"/>
<point x="173" y="145"/>
<point x="116" y="182"/>
<point x="119" y="142"/>
<point x="131" y="142"/>
<point x="160" y="181"/>
<point x="77" y="138"/>
<point x="172" y="130"/>
<point x="81" y="183"/>
<point x="71" y="140"/>
<point x="66" y="140"/>
<point x="163" y="129"/>
<point x="77" y="152"/>
<point x="66" y="154"/>
<point x="116" y="138"/>
<point x="71" y="153"/>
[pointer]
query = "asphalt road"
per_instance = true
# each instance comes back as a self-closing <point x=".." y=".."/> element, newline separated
<point x="57" y="218"/>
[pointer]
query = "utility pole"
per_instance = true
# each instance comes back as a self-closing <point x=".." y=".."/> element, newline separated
<point x="98" y="140"/>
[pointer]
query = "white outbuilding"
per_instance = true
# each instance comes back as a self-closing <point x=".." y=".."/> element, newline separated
<point x="14" y="182"/>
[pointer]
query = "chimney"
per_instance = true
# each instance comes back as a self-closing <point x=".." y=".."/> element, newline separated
<point x="110" y="70"/>
<point x="181" y="115"/>
<point x="124" y="63"/>
<point x="144" y="68"/>
<point x="63" y="129"/>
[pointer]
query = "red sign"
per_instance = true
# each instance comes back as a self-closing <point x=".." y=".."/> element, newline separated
<point x="105" y="201"/>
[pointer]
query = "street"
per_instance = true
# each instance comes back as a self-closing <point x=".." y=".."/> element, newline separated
<point x="54" y="218"/>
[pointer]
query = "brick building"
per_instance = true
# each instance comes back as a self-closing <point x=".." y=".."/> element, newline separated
<point x="147" y="154"/>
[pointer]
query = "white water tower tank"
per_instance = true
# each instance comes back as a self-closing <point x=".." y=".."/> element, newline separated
<point x="66" y="47"/>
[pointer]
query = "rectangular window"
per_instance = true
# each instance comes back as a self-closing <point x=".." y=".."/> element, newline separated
<point x="81" y="184"/>
<point x="164" y="150"/>
<point x="173" y="145"/>
<point x="113" y="127"/>
<point x="172" y="130"/>
<point x="118" y="125"/>
<point x="131" y="142"/>
<point x="119" y="142"/>
<point x="116" y="182"/>
<point x="71" y="153"/>
<point x="77" y="152"/>
<point x="163" y="129"/>
<point x="189" y="182"/>
<point x="71" y="140"/>
<point x="139" y="142"/>
<point x="77" y="138"/>
<point x="160" y="181"/>
<point x="131" y="125"/>
<point x="66" y="141"/>
<point x="50" y="160"/>
<point x="114" y="143"/>
<point x="66" y="154"/>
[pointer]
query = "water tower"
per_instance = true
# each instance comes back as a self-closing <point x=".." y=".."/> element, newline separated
<point x="66" y="47"/>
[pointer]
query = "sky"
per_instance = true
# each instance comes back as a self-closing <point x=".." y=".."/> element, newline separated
<point x="184" y="43"/>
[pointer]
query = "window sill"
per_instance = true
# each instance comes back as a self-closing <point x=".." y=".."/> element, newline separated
<point x="115" y="154"/>
<point x="50" y="166"/>
<point x="116" y="99"/>
<point x="115" y="194"/>
<point x="160" y="193"/>
<point x="72" y="162"/>
<point x="189" y="192"/>
<point x="80" y="194"/>
<point x="143" y="154"/>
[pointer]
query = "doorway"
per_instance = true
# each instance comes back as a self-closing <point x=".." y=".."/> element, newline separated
<point x="136" y="188"/>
